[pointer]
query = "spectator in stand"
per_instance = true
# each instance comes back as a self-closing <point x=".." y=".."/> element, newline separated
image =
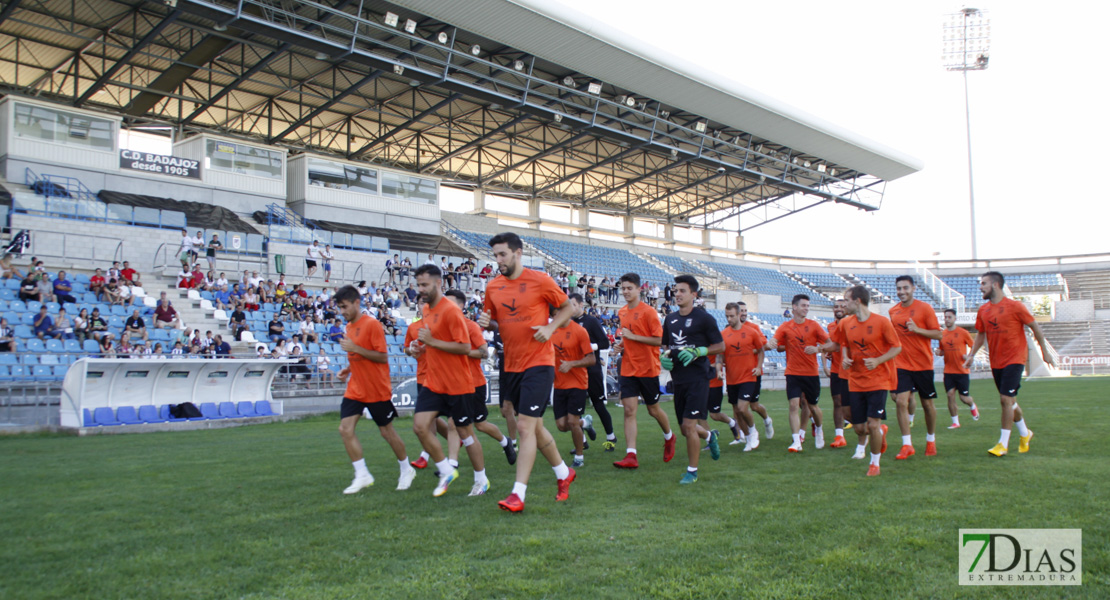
<point x="362" y="289"/>
<point x="185" y="252"/>
<point x="184" y="279"/>
<point x="327" y="256"/>
<point x="63" y="326"/>
<point x="276" y="330"/>
<point x="114" y="272"/>
<point x="135" y="325"/>
<point x="323" y="366"/>
<point x="335" y="332"/>
<point x="107" y="347"/>
<point x="81" y="325"/>
<point x="410" y="297"/>
<point x="198" y="245"/>
<point x="198" y="277"/>
<point x="8" y="270"/>
<point x="124" y="349"/>
<point x="238" y="323"/>
<point x="7" y="336"/>
<point x="158" y="353"/>
<point x="97" y="326"/>
<point x="44" y="325"/>
<point x="96" y="284"/>
<point x="126" y="298"/>
<point x="29" y="288"/>
<point x="406" y="270"/>
<point x="128" y="274"/>
<point x="214" y="244"/>
<point x="165" y="317"/>
<point x="260" y="351"/>
<point x="112" y="293"/>
<point x="46" y="288"/>
<point x="392" y="266"/>
<point x="63" y="289"/>
<point x="312" y="254"/>
<point x="221" y="281"/>
<point x="222" y="298"/>
<point x="178" y="350"/>
<point x="222" y="348"/>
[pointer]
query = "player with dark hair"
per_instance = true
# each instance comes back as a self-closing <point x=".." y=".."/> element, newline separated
<point x="916" y="324"/>
<point x="598" y="341"/>
<point x="415" y="349"/>
<point x="573" y="357"/>
<point x="867" y="344"/>
<point x="641" y="334"/>
<point x="368" y="389"/>
<point x="1001" y="323"/>
<point x="689" y="336"/>
<point x="800" y="338"/>
<point x="957" y="378"/>
<point x="518" y="304"/>
<point x="838" y="386"/>
<point x="742" y="363"/>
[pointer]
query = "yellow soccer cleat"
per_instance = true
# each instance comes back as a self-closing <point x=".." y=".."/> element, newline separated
<point x="1023" y="447"/>
<point x="998" y="450"/>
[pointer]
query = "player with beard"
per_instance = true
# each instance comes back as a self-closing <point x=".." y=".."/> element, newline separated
<point x="916" y="324"/>
<point x="838" y="386"/>
<point x="957" y="378"/>
<point x="598" y="341"/>
<point x="743" y="368"/>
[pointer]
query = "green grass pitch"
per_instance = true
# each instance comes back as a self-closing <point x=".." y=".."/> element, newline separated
<point x="257" y="512"/>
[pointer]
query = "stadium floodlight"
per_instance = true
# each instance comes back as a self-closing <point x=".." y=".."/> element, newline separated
<point x="442" y="37"/>
<point x="628" y="101"/>
<point x="558" y="118"/>
<point x="700" y="127"/>
<point x="821" y="168"/>
<point x="568" y="81"/>
<point x="398" y="69"/>
<point x="392" y="19"/>
<point x="476" y="50"/>
<point x="666" y="114"/>
<point x="322" y="56"/>
<point x="410" y="26"/>
<point x="594" y="87"/>
<point x="966" y="47"/>
<point x="518" y="65"/>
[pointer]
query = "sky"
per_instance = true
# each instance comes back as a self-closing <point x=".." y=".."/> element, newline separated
<point x="1038" y="116"/>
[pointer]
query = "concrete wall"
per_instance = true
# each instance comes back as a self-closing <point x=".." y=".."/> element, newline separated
<point x="344" y="266"/>
<point x="90" y="244"/>
<point x="365" y="218"/>
<point x="1074" y="310"/>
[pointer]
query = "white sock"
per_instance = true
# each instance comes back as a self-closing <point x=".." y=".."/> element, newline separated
<point x="561" y="470"/>
<point x="504" y="441"/>
<point x="425" y="455"/>
<point x="861" y="448"/>
<point x="911" y="418"/>
<point x="1004" y="439"/>
<point x="691" y="469"/>
<point x="632" y="451"/>
<point x="731" y="422"/>
<point x="360" y="468"/>
<point x="956" y="420"/>
<point x="454" y="463"/>
<point x="479" y="476"/>
<point x="839" y="432"/>
<point x="812" y="421"/>
<point x="612" y="437"/>
<point x="519" y="489"/>
<point x="875" y="458"/>
<point x="767" y="420"/>
<point x="797" y="439"/>
<point x="906" y="441"/>
<point x="973" y="407"/>
<point x="444" y="467"/>
<point x="1023" y="431"/>
<point x="404" y="464"/>
<point x="668" y="435"/>
<point x="930" y="437"/>
<point x="818" y="432"/>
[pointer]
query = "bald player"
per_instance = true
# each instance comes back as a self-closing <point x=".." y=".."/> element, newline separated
<point x="957" y="378"/>
<point x="917" y="327"/>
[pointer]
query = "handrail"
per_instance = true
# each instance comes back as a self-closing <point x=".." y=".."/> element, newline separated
<point x="943" y="292"/>
<point x="83" y="249"/>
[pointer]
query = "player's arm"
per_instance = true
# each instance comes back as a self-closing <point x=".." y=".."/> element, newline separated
<point x="426" y="337"/>
<point x="586" y="361"/>
<point x="760" y="354"/>
<point x="933" y="334"/>
<point x="479" y="352"/>
<point x="597" y="336"/>
<point x="1039" y="336"/>
<point x="544" y="332"/>
<point x="828" y="346"/>
<point x="979" y="340"/>
<point x="872" y="363"/>
<point x="627" y="334"/>
<point x="348" y="345"/>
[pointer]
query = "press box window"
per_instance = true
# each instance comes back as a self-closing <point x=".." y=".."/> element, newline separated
<point x="325" y="173"/>
<point x="61" y="127"/>
<point x="242" y="159"/>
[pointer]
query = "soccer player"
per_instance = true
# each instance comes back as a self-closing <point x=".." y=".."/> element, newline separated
<point x="478" y="409"/>
<point x="641" y="334"/>
<point x="507" y="409"/>
<point x="448" y="383"/>
<point x="917" y="327"/>
<point x="1001" y="324"/>
<point x="717" y="400"/>
<point x="800" y="338"/>
<point x="518" y="303"/>
<point x="838" y="387"/>
<point x="957" y="379"/>
<point x="689" y="336"/>
<point x="415" y="349"/>
<point x="367" y="389"/>
<point x="743" y="365"/>
<point x="573" y="357"/>
<point x="867" y="344"/>
<point x="598" y="341"/>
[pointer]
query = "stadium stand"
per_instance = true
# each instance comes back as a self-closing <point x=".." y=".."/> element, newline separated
<point x="600" y="260"/>
<point x="768" y="281"/>
<point x="679" y="265"/>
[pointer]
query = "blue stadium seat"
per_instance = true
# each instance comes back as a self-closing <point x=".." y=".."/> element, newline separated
<point x="164" y="414"/>
<point x="88" y="421"/>
<point x="17" y="305"/>
<point x="49" y="359"/>
<point x="148" y="413"/>
<point x="53" y="345"/>
<point x="81" y="278"/>
<point x="33" y="306"/>
<point x="27" y="318"/>
<point x="36" y="345"/>
<point x="8" y="294"/>
<point x="246" y="409"/>
<point x="53" y="307"/>
<point x="119" y="311"/>
<point x="9" y="358"/>
<point x="115" y="322"/>
<point x="71" y="346"/>
<point x="43" y="373"/>
<point x="3" y="305"/>
<point x="5" y="374"/>
<point x="89" y="298"/>
<point x="262" y="407"/>
<point x="11" y="284"/>
<point x="210" y="412"/>
<point x="60" y="372"/>
<point x="19" y="372"/>
<point x="90" y="346"/>
<point x="228" y="410"/>
<point x="127" y="416"/>
<point x="104" y="416"/>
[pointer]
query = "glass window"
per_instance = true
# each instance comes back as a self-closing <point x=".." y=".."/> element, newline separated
<point x="243" y="159"/>
<point x="51" y="125"/>
<point x="409" y="187"/>
<point x="326" y="173"/>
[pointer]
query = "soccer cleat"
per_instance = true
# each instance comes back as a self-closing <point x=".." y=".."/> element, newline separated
<point x="911" y="423"/>
<point x="714" y="446"/>
<point x="847" y="426"/>
<point x="752" y="443"/>
<point x="358" y="483"/>
<point x="998" y="450"/>
<point x="609" y="446"/>
<point x="930" y="448"/>
<point x="975" y="412"/>
<point x="404" y="482"/>
<point x="838" y="442"/>
<point x="883" y="449"/>
<point x="588" y="427"/>
<point x="668" y="448"/>
<point x="905" y="452"/>
<point x="802" y="435"/>
<point x="859" y="455"/>
<point x="768" y="430"/>
<point x="578" y="462"/>
<point x="510" y="453"/>
<point x="736" y="433"/>
<point x="1023" y="442"/>
<point x="819" y="442"/>
<point x="585" y="445"/>
<point x="795" y="447"/>
<point x="736" y="442"/>
<point x="564" y="487"/>
<point x="444" y="481"/>
<point x="688" y="478"/>
<point x="628" y="462"/>
<point x="420" y="463"/>
<point x="873" y="470"/>
<point x="954" y="426"/>
<point x="512" y="504"/>
<point x="480" y="487"/>
<point x="813" y="429"/>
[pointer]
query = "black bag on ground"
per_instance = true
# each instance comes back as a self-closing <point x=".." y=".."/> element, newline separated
<point x="185" y="410"/>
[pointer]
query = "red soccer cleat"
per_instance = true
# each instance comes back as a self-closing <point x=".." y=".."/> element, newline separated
<point x="564" y="487"/>
<point x="873" y="470"/>
<point x="930" y="448"/>
<point x="839" y="442"/>
<point x="628" y="462"/>
<point x="883" y="449"/>
<point x="905" y="452"/>
<point x="512" y="504"/>
<point x="668" y="448"/>
<point x="420" y="463"/>
<point x="975" y="412"/>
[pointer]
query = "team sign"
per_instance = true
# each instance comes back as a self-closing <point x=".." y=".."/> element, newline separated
<point x="159" y="163"/>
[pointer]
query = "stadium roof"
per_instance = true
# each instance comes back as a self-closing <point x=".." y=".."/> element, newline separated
<point x="505" y="94"/>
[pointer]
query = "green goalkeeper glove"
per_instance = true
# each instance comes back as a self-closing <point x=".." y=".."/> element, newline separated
<point x="666" y="361"/>
<point x="688" y="355"/>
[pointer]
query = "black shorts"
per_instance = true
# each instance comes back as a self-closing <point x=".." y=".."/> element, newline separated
<point x="917" y="381"/>
<point x="743" y="392"/>
<point x="646" y="388"/>
<point x="838" y="386"/>
<point x="803" y="385"/>
<point x="457" y="407"/>
<point x="961" y="382"/>
<point x="691" y="399"/>
<point x="758" y="388"/>
<point x="383" y="413"/>
<point x="596" y="385"/>
<point x="309" y="263"/>
<point x="529" y="391"/>
<point x="571" y="401"/>
<point x="867" y="405"/>
<point x="1008" y="379"/>
<point x="716" y="399"/>
<point x="478" y="410"/>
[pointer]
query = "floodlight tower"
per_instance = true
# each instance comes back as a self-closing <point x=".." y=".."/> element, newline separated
<point x="967" y="40"/>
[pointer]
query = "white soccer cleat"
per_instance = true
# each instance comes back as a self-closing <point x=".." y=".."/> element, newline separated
<point x="859" y="455"/>
<point x="480" y="488"/>
<point x="358" y="483"/>
<point x="819" y="441"/>
<point x="752" y="443"/>
<point x="768" y="430"/>
<point x="404" y="482"/>
<point x="735" y="442"/>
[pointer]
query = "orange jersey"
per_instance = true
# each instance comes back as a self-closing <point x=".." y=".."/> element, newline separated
<point x="955" y="345"/>
<point x="833" y="357"/>
<point x="410" y="336"/>
<point x="369" y="380"/>
<point x="639" y="359"/>
<point x="742" y="352"/>
<point x="796" y="337"/>
<point x="447" y="373"/>
<point x="870" y="339"/>
<point x="715" y="382"/>
<point x="571" y="343"/>
<point x="917" y="350"/>
<point x="476" y="341"/>
<point x="518" y="305"/>
<point x="1004" y="325"/>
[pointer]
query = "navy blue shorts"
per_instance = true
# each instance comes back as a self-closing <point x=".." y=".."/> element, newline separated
<point x="455" y="406"/>
<point x="646" y="388"/>
<point x="691" y="399"/>
<point x="838" y="386"/>
<point x="529" y="390"/>
<point x="917" y="381"/>
<point x="383" y="413"/>
<point x="1008" y="379"/>
<point x="961" y="382"/>
<point x="571" y="401"/>
<point x="867" y="405"/>
<point x="716" y="399"/>
<point x="808" y="386"/>
<point x="743" y="392"/>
